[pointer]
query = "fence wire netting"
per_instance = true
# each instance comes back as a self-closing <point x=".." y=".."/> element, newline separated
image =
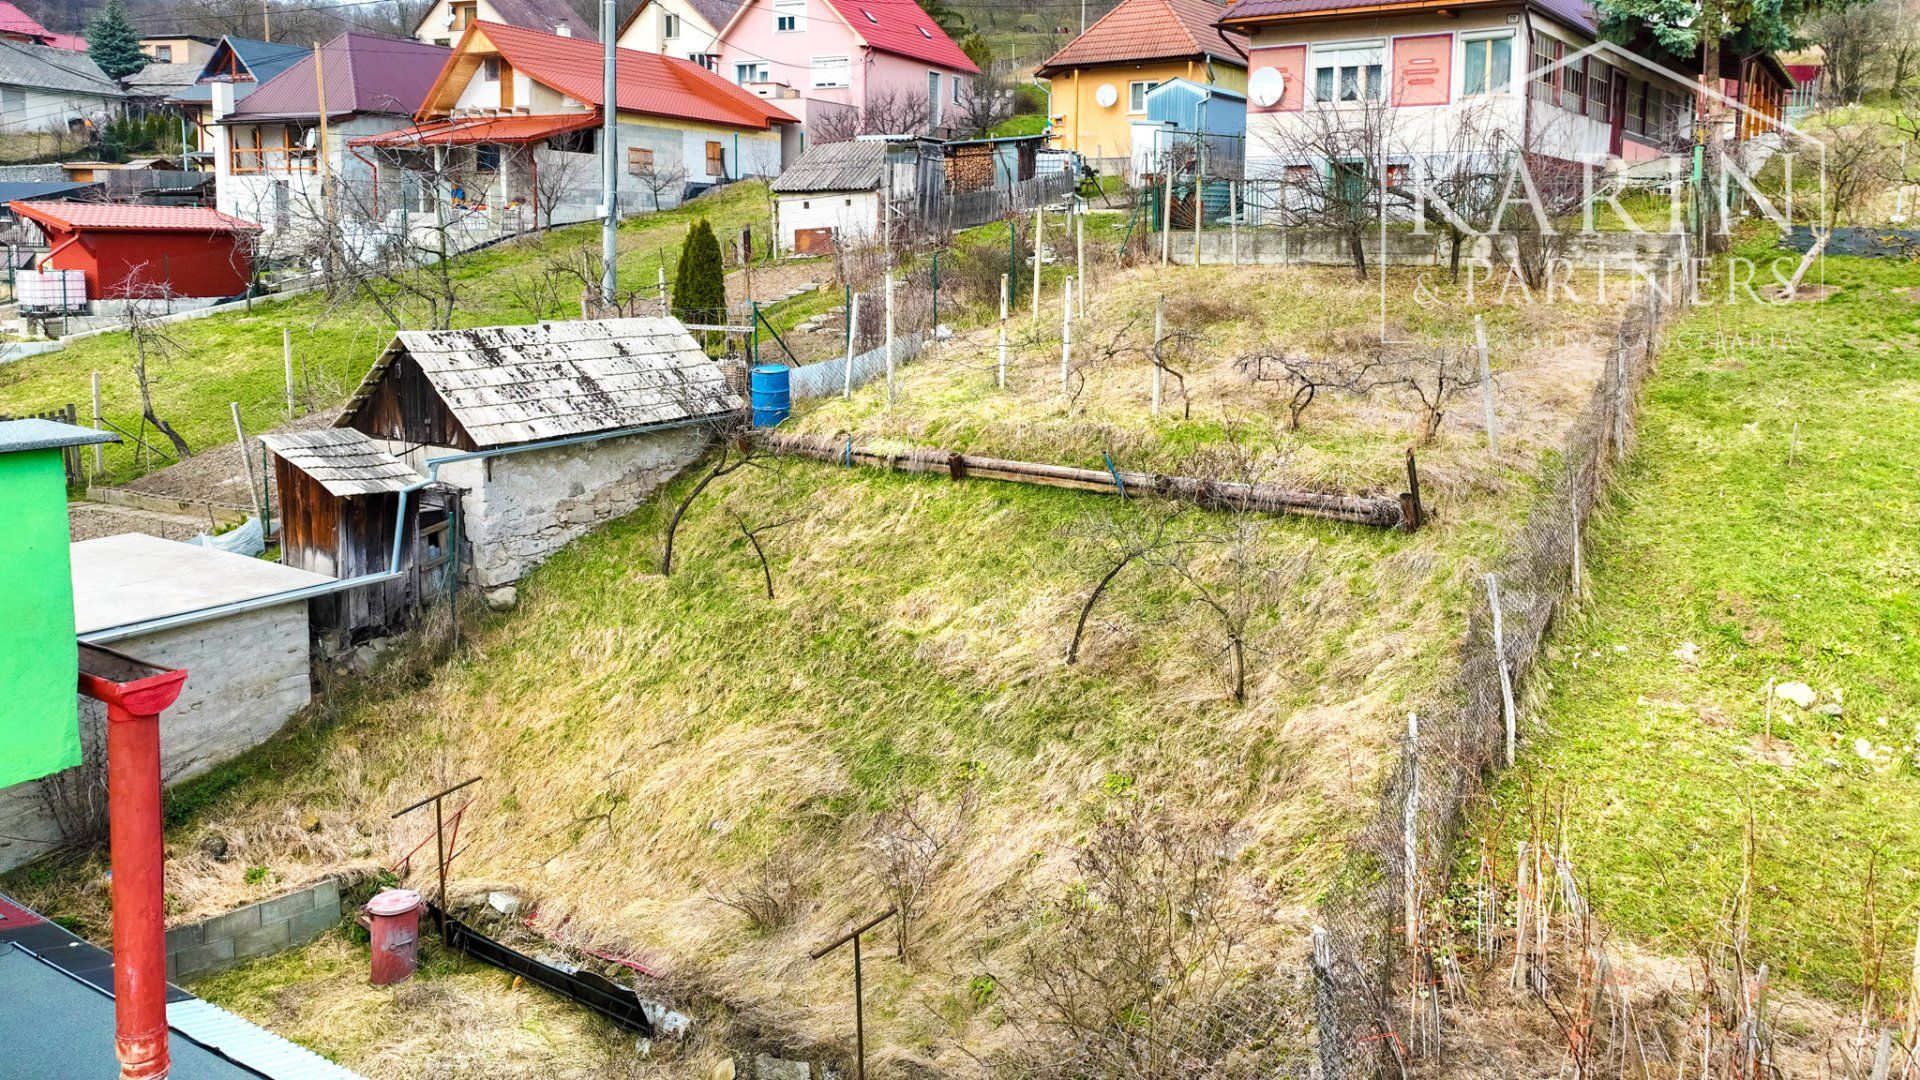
<point x="1373" y="966"/>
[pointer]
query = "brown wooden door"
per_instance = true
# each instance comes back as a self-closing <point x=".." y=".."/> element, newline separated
<point x="1616" y="136"/>
<point x="813" y="241"/>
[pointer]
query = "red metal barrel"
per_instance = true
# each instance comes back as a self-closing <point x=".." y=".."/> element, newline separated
<point x="393" y="917"/>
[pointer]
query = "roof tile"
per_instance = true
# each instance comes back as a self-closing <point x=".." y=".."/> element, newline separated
<point x="365" y="73"/>
<point x="132" y="217"/>
<point x="1153" y="30"/>
<point x="904" y="28"/>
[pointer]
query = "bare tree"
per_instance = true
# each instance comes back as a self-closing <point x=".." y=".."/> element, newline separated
<point x="908" y="847"/>
<point x="1435" y="378"/>
<point x="735" y="454"/>
<point x="153" y="344"/>
<point x="662" y="181"/>
<point x="1306" y="376"/>
<point x="986" y="101"/>
<point x="888" y="111"/>
<point x="1334" y="160"/>
<point x="1112" y="543"/>
<point x="1240" y="582"/>
<point x="1853" y="38"/>
<point x="561" y="177"/>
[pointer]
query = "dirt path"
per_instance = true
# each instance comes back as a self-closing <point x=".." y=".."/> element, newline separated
<point x="89" y="520"/>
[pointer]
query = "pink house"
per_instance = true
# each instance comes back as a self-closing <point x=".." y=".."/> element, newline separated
<point x="848" y="66"/>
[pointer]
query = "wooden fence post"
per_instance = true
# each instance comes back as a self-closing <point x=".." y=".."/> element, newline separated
<point x="286" y="362"/>
<point x="99" y="462"/>
<point x="246" y="461"/>
<point x="1486" y="385"/>
<point x="1500" y="659"/>
<point x="1039" y="226"/>
<point x="1080" y="261"/>
<point x="1159" y="305"/>
<point x="1003" y="332"/>
<point x="889" y="337"/>
<point x="1066" y="333"/>
<point x="853" y="331"/>
<point x="1410" y="835"/>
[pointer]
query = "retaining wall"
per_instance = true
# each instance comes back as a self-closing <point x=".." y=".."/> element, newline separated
<point x="251" y="932"/>
<point x="1325" y="247"/>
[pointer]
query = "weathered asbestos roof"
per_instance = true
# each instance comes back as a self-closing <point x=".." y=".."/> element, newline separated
<point x="854" y="165"/>
<point x="49" y="68"/>
<point x="133" y="577"/>
<point x="343" y="460"/>
<point x="518" y="384"/>
<point x="37" y="434"/>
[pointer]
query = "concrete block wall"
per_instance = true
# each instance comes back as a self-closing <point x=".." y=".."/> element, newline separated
<point x="251" y="932"/>
<point x="1323" y="247"/>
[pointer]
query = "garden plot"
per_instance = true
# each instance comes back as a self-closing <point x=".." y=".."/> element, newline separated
<point x="689" y="772"/>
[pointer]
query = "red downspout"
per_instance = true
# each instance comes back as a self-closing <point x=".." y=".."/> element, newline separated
<point x="534" y="184"/>
<point x="135" y="693"/>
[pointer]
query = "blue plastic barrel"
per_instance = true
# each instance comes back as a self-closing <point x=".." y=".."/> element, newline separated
<point x="772" y="398"/>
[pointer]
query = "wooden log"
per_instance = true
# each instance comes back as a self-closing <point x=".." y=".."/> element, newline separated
<point x="1383" y="511"/>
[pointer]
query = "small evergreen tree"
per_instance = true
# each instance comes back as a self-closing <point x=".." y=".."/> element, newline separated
<point x="978" y="51"/>
<point x="114" y="44"/>
<point x="700" y="285"/>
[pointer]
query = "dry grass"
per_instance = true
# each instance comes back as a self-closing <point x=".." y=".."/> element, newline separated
<point x="651" y="745"/>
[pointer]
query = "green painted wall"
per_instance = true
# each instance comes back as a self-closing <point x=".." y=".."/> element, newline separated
<point x="39" y="660"/>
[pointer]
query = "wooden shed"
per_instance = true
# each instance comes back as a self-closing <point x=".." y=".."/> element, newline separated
<point x="340" y="502"/>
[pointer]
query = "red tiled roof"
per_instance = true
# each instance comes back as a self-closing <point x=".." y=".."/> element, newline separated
<point x="69" y="42"/>
<point x="904" y="28"/>
<point x="1151" y="30"/>
<point x="18" y="23"/>
<point x="480" y="129"/>
<point x="649" y="84"/>
<point x="128" y="217"/>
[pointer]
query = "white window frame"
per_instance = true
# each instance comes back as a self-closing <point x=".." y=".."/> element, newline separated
<point x="1138" y="88"/>
<point x="842" y="62"/>
<point x="753" y="72"/>
<point x="669" y="26"/>
<point x="1506" y="81"/>
<point x="955" y="82"/>
<point x="1344" y="56"/>
<point x="490" y="69"/>
<point x="935" y="106"/>
<point x="787" y="15"/>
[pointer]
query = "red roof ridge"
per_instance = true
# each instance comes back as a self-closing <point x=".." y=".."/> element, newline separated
<point x="1127" y="32"/>
<point x="135" y="216"/>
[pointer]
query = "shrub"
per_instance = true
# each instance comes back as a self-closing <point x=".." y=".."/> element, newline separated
<point x="700" y="288"/>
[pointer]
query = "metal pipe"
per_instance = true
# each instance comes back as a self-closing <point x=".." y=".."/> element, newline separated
<point x="609" y="152"/>
<point x="309" y="592"/>
<point x="138" y="852"/>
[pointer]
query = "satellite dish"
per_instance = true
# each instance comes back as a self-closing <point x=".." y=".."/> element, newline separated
<point x="313" y="138"/>
<point x="1266" y="87"/>
<point x="1106" y="95"/>
<point x="449" y="19"/>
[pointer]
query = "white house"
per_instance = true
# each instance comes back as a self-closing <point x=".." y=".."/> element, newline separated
<point x="687" y="29"/>
<point x="445" y="20"/>
<point x="43" y="88"/>
<point x="267" y="147"/>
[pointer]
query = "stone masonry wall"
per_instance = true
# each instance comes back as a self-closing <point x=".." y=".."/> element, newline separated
<point x="1323" y="247"/>
<point x="521" y="508"/>
<point x="253" y="931"/>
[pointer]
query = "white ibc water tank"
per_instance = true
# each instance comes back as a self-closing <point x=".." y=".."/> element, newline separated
<point x="51" y="290"/>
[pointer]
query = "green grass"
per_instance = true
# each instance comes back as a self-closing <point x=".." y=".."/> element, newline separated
<point x="1804" y="571"/>
<point x="1028" y="124"/>
<point x="237" y="356"/>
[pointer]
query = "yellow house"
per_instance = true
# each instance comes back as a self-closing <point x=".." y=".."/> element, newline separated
<point x="1100" y="80"/>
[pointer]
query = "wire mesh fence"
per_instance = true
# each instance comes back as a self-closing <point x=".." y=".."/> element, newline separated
<point x="1374" y="966"/>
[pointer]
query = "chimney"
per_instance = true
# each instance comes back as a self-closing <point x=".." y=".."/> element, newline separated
<point x="563" y="30"/>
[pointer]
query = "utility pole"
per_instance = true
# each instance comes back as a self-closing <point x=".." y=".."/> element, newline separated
<point x="266" y="22"/>
<point x="326" y="164"/>
<point x="609" y="163"/>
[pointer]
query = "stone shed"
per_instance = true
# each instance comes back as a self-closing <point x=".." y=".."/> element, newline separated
<point x="219" y="615"/>
<point x="541" y="433"/>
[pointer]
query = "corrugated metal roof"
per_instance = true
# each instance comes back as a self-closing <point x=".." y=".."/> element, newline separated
<point x="518" y="384"/>
<point x="904" y="28"/>
<point x="480" y="129"/>
<point x="546" y="16"/>
<point x="342" y="460"/>
<point x="365" y="73"/>
<point x="162" y="77"/>
<point x="854" y="165"/>
<point x="49" y="68"/>
<point x="1151" y="30"/>
<point x="254" y="1047"/>
<point x="132" y="217"/>
<point x="649" y="84"/>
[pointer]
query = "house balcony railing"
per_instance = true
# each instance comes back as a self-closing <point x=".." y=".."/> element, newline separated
<point x="268" y="159"/>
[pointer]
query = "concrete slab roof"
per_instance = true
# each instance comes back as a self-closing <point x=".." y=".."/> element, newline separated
<point x="18" y="435"/>
<point x="134" y="577"/>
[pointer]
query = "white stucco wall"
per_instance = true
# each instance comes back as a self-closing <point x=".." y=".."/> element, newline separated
<point x="852" y="215"/>
<point x="49" y="110"/>
<point x="644" y="33"/>
<point x="246" y="675"/>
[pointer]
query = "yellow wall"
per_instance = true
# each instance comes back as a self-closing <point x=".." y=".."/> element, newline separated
<point x="1079" y="123"/>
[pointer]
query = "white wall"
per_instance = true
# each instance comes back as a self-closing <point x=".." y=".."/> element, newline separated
<point x="852" y="215"/>
<point x="246" y="675"/>
<point x="696" y="39"/>
<point x="47" y="110"/>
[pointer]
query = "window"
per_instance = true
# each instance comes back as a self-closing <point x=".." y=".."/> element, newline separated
<point x="933" y="99"/>
<point x="956" y="80"/>
<point x="1546" y="53"/>
<point x="486" y="157"/>
<point x="1599" y="90"/>
<point x="464" y="14"/>
<point x="869" y="16"/>
<point x="1137" y="95"/>
<point x="786" y="15"/>
<point x="1349" y="72"/>
<point x="710" y="61"/>
<point x="574" y="142"/>
<point x="830" y="71"/>
<point x="1489" y="65"/>
<point x="1573" y="85"/>
<point x="639" y="161"/>
<point x="12" y="99"/>
<point x="716" y="159"/>
<point x="669" y="25"/>
<point x="163" y="53"/>
<point x="750" y="73"/>
<point x="925" y="33"/>
<point x="490" y="69"/>
<point x="1637" y="107"/>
